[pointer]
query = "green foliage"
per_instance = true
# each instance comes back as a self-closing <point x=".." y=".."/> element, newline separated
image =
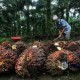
<point x="16" y="20"/>
<point x="4" y="39"/>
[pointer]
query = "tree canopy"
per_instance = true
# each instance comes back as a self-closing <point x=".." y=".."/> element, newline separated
<point x="34" y="17"/>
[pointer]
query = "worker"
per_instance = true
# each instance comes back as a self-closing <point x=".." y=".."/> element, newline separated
<point x="63" y="27"/>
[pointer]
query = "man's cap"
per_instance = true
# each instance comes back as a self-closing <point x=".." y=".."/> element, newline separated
<point x="55" y="17"/>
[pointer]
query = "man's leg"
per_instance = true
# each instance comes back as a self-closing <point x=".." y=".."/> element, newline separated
<point x="67" y="35"/>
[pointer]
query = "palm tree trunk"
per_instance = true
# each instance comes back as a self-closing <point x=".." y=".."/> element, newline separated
<point x="67" y="14"/>
<point x="48" y="16"/>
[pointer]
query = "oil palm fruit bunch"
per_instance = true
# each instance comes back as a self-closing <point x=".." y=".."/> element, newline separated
<point x="49" y="47"/>
<point x="30" y="62"/>
<point x="7" y="60"/>
<point x="19" y="47"/>
<point x="76" y="48"/>
<point x="39" y="44"/>
<point x="72" y="46"/>
<point x="1" y="48"/>
<point x="62" y="60"/>
<point x="68" y="45"/>
<point x="60" y="45"/>
<point x="78" y="41"/>
<point x="6" y="45"/>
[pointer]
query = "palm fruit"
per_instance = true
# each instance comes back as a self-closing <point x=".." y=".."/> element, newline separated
<point x="7" y="60"/>
<point x="30" y="61"/>
<point x="19" y="47"/>
<point x="62" y="60"/>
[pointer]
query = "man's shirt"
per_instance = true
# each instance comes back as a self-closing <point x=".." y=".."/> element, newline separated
<point x="63" y="24"/>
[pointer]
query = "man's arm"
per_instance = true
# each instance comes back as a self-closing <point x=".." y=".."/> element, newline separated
<point x="61" y="32"/>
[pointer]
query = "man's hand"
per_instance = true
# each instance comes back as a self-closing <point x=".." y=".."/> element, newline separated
<point x="57" y="38"/>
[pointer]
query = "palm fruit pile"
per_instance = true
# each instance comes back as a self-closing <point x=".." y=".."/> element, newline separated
<point x="7" y="60"/>
<point x="19" y="47"/>
<point x="30" y="61"/>
<point x="61" y="56"/>
<point x="62" y="60"/>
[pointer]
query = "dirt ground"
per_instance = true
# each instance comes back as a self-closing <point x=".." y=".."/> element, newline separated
<point x="42" y="77"/>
